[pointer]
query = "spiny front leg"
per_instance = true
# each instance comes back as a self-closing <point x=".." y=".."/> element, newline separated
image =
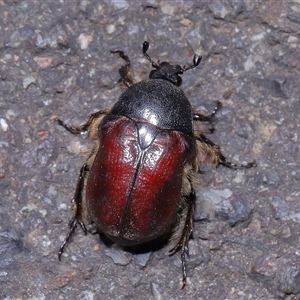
<point x="77" y="209"/>
<point x="186" y="233"/>
<point x="199" y="116"/>
<point x="125" y="71"/>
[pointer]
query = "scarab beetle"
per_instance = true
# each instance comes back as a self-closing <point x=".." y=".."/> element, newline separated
<point x="137" y="184"/>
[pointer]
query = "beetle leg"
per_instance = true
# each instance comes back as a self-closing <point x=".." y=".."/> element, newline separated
<point x="73" y="225"/>
<point x="198" y="116"/>
<point x="209" y="152"/>
<point x="186" y="233"/>
<point x="125" y="71"/>
<point x="77" y="209"/>
<point x="84" y="127"/>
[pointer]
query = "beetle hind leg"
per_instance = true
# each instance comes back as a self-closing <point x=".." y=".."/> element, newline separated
<point x="77" y="210"/>
<point x="73" y="225"/>
<point x="186" y="233"/>
<point x="125" y="71"/>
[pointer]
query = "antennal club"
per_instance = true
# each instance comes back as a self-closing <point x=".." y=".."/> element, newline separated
<point x="145" y="49"/>
<point x="196" y="62"/>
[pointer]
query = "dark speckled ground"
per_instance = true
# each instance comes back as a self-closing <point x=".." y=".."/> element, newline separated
<point x="55" y="60"/>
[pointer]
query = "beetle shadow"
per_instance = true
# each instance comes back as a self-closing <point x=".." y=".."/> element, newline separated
<point x="150" y="246"/>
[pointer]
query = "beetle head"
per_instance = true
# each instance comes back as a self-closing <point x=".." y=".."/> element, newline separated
<point x="168" y="71"/>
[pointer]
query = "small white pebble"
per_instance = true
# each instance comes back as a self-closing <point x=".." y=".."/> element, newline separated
<point x="27" y="81"/>
<point x="3" y="124"/>
<point x="258" y="37"/>
<point x="84" y="40"/>
<point x="10" y="114"/>
<point x="43" y="212"/>
<point x="120" y="4"/>
<point x="110" y="28"/>
<point x="62" y="206"/>
<point x="292" y="39"/>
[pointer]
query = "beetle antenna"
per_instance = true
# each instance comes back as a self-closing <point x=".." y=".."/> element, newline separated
<point x="145" y="49"/>
<point x="196" y="62"/>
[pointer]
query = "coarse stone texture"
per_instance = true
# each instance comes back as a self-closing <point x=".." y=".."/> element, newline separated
<point x="55" y="60"/>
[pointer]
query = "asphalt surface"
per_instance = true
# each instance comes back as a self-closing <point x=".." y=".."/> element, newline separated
<point x="55" y="60"/>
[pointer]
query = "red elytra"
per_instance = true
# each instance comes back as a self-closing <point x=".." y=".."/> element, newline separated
<point x="132" y="194"/>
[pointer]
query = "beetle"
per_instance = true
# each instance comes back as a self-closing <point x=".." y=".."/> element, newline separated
<point x="137" y="185"/>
